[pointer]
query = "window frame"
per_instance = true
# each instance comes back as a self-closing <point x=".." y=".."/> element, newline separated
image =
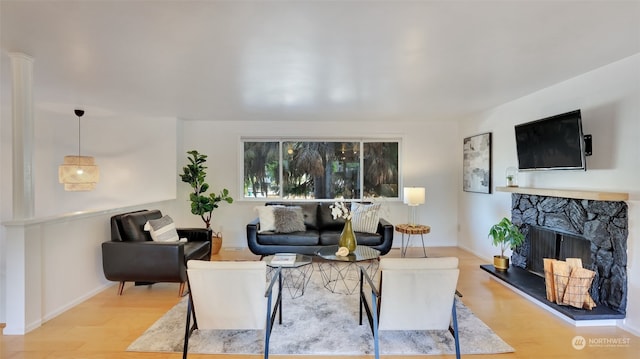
<point x="280" y="140"/>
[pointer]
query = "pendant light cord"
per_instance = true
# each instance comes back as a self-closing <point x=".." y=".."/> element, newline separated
<point x="79" y="140"/>
<point x="79" y="113"/>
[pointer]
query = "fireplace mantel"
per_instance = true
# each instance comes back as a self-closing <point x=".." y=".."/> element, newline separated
<point x="567" y="193"/>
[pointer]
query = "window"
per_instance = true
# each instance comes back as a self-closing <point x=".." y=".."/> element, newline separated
<point x="292" y="169"/>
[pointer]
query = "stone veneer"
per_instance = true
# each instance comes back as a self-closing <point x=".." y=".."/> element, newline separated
<point x="603" y="223"/>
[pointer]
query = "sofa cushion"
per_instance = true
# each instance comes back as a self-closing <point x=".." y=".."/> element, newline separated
<point x="133" y="225"/>
<point x="330" y="237"/>
<point x="368" y="239"/>
<point x="310" y="214"/>
<point x="162" y="229"/>
<point x="326" y="220"/>
<point x="306" y="238"/>
<point x="288" y="219"/>
<point x="365" y="217"/>
<point x="196" y="250"/>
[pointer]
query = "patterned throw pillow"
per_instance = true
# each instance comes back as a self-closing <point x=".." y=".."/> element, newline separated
<point x="162" y="229"/>
<point x="289" y="219"/>
<point x="365" y="217"/>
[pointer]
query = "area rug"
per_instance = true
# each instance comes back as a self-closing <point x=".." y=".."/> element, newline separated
<point x="319" y="323"/>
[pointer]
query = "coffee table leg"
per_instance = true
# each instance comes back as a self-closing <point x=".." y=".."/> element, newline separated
<point x="295" y="279"/>
<point x="344" y="277"/>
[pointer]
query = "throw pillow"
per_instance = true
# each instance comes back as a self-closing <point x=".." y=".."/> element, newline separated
<point x="162" y="229"/>
<point x="267" y="220"/>
<point x="365" y="217"/>
<point x="288" y="219"/>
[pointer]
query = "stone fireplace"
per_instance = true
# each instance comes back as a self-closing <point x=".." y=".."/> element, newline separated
<point x="593" y="230"/>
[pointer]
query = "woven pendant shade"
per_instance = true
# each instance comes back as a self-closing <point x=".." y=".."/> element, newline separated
<point x="78" y="173"/>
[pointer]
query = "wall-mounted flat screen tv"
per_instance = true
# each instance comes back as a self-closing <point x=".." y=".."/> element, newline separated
<point x="555" y="142"/>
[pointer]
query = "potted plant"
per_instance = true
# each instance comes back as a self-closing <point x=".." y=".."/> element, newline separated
<point x="504" y="234"/>
<point x="202" y="204"/>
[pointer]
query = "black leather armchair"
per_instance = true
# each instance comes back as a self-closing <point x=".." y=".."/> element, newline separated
<point x="132" y="256"/>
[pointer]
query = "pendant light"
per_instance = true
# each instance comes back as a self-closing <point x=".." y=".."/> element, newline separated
<point x="78" y="173"/>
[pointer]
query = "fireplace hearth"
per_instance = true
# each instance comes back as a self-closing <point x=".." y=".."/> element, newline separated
<point x="555" y="227"/>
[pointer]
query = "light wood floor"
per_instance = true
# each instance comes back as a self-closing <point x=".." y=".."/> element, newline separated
<point x="103" y="326"/>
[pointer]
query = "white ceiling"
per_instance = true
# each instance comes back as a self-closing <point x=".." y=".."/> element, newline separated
<point x="308" y="60"/>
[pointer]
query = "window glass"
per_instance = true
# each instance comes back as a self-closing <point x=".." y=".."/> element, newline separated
<point x="261" y="169"/>
<point x="380" y="169"/>
<point x="293" y="169"/>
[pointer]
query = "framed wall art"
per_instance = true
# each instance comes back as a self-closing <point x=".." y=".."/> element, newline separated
<point x="476" y="164"/>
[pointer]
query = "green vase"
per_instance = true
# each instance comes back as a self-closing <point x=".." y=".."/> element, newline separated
<point x="348" y="237"/>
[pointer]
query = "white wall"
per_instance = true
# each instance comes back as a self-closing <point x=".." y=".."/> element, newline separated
<point x="609" y="98"/>
<point x="429" y="152"/>
<point x="136" y="156"/>
<point x="137" y="160"/>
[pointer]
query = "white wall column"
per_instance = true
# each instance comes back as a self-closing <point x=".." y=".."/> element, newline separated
<point x="22" y="114"/>
<point x="23" y="295"/>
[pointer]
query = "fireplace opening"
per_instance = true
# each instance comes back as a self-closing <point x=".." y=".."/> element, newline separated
<point x="549" y="243"/>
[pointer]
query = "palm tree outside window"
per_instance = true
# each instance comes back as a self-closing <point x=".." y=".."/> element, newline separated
<point x="302" y="170"/>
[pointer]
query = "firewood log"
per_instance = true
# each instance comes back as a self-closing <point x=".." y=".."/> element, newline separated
<point x="561" y="274"/>
<point x="549" y="280"/>
<point x="578" y="287"/>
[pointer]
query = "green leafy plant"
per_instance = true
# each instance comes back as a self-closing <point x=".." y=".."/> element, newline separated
<point x="505" y="234"/>
<point x="194" y="174"/>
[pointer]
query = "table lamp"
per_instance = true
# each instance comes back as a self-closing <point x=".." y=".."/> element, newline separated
<point x="413" y="196"/>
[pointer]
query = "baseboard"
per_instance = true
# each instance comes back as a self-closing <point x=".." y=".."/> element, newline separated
<point x="57" y="312"/>
<point x="630" y="329"/>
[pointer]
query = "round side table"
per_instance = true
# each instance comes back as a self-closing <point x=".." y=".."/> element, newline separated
<point x="410" y="229"/>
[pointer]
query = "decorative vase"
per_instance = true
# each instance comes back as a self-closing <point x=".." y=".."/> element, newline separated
<point x="348" y="237"/>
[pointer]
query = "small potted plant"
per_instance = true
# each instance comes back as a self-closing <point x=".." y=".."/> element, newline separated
<point x="201" y="204"/>
<point x="512" y="177"/>
<point x="504" y="234"/>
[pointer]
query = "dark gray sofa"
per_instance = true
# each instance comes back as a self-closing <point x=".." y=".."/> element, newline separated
<point x="321" y="230"/>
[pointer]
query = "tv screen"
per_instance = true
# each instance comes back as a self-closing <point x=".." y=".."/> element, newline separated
<point x="550" y="143"/>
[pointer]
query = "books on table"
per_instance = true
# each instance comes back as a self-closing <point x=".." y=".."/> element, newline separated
<point x="283" y="259"/>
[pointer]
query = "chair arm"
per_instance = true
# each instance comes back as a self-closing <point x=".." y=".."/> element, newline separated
<point x="252" y="236"/>
<point x="144" y="261"/>
<point x="365" y="276"/>
<point x="271" y="316"/>
<point x="372" y="312"/>
<point x="195" y="234"/>
<point x="277" y="275"/>
<point x="385" y="229"/>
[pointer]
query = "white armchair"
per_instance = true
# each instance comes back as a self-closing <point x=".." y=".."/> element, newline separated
<point x="412" y="294"/>
<point x="231" y="295"/>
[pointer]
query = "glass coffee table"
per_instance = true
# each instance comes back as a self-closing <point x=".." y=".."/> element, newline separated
<point x="340" y="274"/>
<point x="296" y="276"/>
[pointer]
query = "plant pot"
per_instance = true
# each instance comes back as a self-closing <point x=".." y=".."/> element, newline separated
<point x="216" y="244"/>
<point x="501" y="263"/>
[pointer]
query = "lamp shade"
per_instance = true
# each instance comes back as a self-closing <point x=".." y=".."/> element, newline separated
<point x="414" y="196"/>
<point x="78" y="173"/>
